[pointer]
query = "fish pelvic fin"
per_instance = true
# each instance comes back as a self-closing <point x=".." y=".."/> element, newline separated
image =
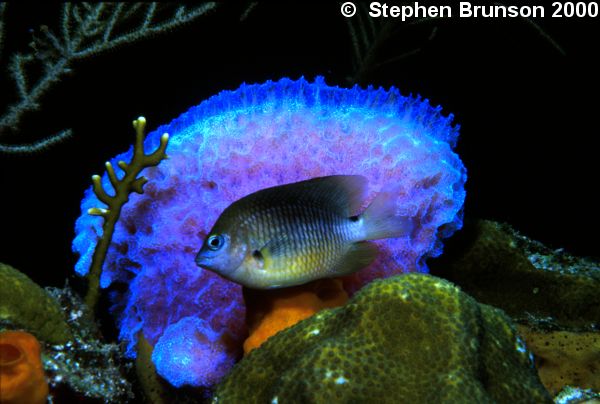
<point x="359" y="256"/>
<point x="381" y="221"/>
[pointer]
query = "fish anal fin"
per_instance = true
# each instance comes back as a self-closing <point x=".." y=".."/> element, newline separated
<point x="359" y="256"/>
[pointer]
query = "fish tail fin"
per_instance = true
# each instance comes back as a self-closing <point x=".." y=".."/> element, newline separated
<point x="381" y="221"/>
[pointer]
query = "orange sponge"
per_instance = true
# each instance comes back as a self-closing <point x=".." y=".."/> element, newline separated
<point x="270" y="311"/>
<point x="22" y="378"/>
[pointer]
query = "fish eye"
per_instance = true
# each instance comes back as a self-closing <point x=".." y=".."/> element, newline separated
<point x="215" y="242"/>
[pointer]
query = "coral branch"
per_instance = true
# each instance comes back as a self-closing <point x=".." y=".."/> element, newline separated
<point x="369" y="37"/>
<point x="123" y="188"/>
<point x="2" y="12"/>
<point x="86" y="30"/>
<point x="122" y="165"/>
<point x="36" y="146"/>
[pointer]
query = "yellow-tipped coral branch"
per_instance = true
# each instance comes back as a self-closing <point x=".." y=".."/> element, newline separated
<point x="123" y="188"/>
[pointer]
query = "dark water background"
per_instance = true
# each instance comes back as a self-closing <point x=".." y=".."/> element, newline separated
<point x="529" y="115"/>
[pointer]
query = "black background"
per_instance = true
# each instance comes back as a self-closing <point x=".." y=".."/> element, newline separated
<point x="528" y="113"/>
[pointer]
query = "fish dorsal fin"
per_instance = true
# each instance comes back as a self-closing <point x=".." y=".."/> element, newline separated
<point x="343" y="194"/>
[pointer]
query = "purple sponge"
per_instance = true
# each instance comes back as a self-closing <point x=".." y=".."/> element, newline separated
<point x="191" y="353"/>
<point x="258" y="136"/>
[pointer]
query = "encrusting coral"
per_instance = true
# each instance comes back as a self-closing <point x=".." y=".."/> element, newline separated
<point x="500" y="267"/>
<point x="565" y="358"/>
<point x="123" y="187"/>
<point x="24" y="304"/>
<point x="552" y="293"/>
<point x="22" y="378"/>
<point x="408" y="338"/>
<point x="239" y="142"/>
<point x="270" y="311"/>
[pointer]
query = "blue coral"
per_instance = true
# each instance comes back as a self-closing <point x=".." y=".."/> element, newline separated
<point x="257" y="136"/>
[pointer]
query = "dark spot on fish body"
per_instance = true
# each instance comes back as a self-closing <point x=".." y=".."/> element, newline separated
<point x="256" y="254"/>
<point x="354" y="218"/>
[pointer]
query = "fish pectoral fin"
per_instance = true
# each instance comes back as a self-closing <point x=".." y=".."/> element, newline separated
<point x="276" y="247"/>
<point x="359" y="255"/>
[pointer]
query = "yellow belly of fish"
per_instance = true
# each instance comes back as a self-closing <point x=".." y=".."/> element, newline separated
<point x="284" y="271"/>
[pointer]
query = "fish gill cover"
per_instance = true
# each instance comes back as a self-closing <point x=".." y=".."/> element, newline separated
<point x="239" y="142"/>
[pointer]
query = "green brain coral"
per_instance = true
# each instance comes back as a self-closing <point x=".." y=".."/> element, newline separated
<point x="410" y="338"/>
<point x="26" y="305"/>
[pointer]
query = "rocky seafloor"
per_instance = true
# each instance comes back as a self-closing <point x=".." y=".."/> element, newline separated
<point x="500" y="318"/>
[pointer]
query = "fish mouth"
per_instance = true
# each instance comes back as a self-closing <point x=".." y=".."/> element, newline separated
<point x="205" y="266"/>
<point x="201" y="261"/>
